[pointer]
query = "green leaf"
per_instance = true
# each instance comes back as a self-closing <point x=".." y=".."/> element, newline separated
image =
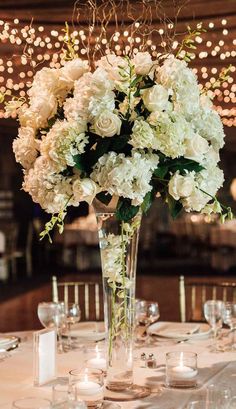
<point x="119" y="142"/>
<point x="125" y="210"/>
<point x="104" y="197"/>
<point x="161" y="171"/>
<point x="102" y="147"/>
<point x="80" y="162"/>
<point x="175" y="206"/>
<point x="183" y="164"/>
<point x="148" y="200"/>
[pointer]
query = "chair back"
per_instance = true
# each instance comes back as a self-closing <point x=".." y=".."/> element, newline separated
<point x="88" y="295"/>
<point x="193" y="295"/>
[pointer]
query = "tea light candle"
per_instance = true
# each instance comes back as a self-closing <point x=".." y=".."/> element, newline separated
<point x="88" y="388"/>
<point x="99" y="362"/>
<point x="183" y="372"/>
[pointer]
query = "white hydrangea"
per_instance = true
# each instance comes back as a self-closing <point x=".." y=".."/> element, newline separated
<point x="26" y="147"/>
<point x="142" y="135"/>
<point x="171" y="132"/>
<point x="208" y="124"/>
<point x="92" y="95"/>
<point x="46" y="187"/>
<point x="63" y="142"/>
<point x="128" y="177"/>
<point x="175" y="74"/>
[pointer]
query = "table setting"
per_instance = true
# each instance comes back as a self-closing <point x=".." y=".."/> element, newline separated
<point x="176" y="365"/>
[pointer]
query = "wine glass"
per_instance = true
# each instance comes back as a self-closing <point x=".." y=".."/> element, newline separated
<point x="52" y="315"/>
<point x="146" y="313"/>
<point x="31" y="403"/>
<point x="213" y="315"/>
<point x="73" y="315"/>
<point x="229" y="318"/>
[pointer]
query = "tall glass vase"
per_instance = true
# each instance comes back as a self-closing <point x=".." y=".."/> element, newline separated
<point x="118" y="242"/>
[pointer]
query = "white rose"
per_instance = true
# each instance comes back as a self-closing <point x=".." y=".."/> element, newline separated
<point x="196" y="147"/>
<point x="142" y="63"/>
<point x="44" y="106"/>
<point x="181" y="186"/>
<point x="85" y="190"/>
<point x="156" y="98"/>
<point x="107" y="124"/>
<point x="46" y="78"/>
<point x="196" y="201"/>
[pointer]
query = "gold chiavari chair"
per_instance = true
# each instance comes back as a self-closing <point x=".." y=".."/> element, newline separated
<point x="193" y="295"/>
<point x="87" y="294"/>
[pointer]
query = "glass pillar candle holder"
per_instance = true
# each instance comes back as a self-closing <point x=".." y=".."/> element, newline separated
<point x="88" y="385"/>
<point x="181" y="369"/>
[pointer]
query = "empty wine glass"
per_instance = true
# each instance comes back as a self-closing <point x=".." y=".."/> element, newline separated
<point x="146" y="313"/>
<point x="52" y="315"/>
<point x="31" y="403"/>
<point x="73" y="315"/>
<point x="229" y="318"/>
<point x="213" y="315"/>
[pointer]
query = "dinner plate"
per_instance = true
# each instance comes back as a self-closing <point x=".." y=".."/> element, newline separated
<point x="91" y="331"/>
<point x="7" y="341"/>
<point x="178" y="330"/>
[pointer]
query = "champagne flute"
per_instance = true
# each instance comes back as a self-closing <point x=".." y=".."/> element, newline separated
<point x="146" y="313"/>
<point x="229" y="318"/>
<point x="213" y="315"/>
<point x="52" y="315"/>
<point x="73" y="315"/>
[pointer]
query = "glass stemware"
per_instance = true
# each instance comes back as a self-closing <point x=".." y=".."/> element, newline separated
<point x="52" y="315"/>
<point x="31" y="403"/>
<point x="229" y="318"/>
<point x="213" y="315"/>
<point x="73" y="315"/>
<point x="146" y="313"/>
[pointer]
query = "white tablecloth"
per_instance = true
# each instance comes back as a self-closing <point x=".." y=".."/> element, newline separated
<point x="16" y="373"/>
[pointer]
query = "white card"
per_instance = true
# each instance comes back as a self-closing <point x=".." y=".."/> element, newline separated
<point x="45" y="349"/>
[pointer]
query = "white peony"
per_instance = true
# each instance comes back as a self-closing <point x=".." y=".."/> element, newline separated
<point x="196" y="147"/>
<point x="72" y="71"/>
<point x="25" y="147"/>
<point x="142" y="62"/>
<point x="85" y="190"/>
<point x="63" y="142"/>
<point x="181" y="186"/>
<point x="156" y="98"/>
<point x="107" y="124"/>
<point x="142" y="135"/>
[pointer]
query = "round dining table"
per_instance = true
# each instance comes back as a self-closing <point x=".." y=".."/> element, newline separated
<point x="218" y="368"/>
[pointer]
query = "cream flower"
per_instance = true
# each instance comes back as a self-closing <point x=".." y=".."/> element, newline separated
<point x="196" y="147"/>
<point x="142" y="135"/>
<point x="142" y="62"/>
<point x="25" y="147"/>
<point x="181" y="186"/>
<point x="85" y="190"/>
<point x="72" y="71"/>
<point x="156" y="98"/>
<point x="107" y="124"/>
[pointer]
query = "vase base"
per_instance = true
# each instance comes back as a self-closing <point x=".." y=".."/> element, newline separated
<point x="132" y="393"/>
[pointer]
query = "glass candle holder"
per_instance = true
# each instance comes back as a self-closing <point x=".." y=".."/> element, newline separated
<point x="32" y="403"/>
<point x="88" y="385"/>
<point x="181" y="369"/>
<point x="96" y="358"/>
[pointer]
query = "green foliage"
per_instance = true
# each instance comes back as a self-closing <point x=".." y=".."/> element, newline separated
<point x="125" y="210"/>
<point x="69" y="44"/>
<point x="148" y="200"/>
<point x="56" y="220"/>
<point x="104" y="197"/>
<point x="188" y="43"/>
<point x="175" y="206"/>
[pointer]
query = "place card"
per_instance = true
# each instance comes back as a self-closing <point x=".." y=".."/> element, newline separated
<point x="45" y="348"/>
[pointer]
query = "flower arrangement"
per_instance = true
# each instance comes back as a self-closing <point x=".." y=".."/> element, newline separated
<point x="133" y="128"/>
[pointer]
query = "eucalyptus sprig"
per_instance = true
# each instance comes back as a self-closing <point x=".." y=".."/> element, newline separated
<point x="69" y="44"/>
<point x="188" y="42"/>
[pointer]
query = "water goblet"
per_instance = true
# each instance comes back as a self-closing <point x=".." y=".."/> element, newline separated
<point x="229" y="318"/>
<point x="52" y="315"/>
<point x="73" y="315"/>
<point x="213" y="315"/>
<point x="146" y="313"/>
